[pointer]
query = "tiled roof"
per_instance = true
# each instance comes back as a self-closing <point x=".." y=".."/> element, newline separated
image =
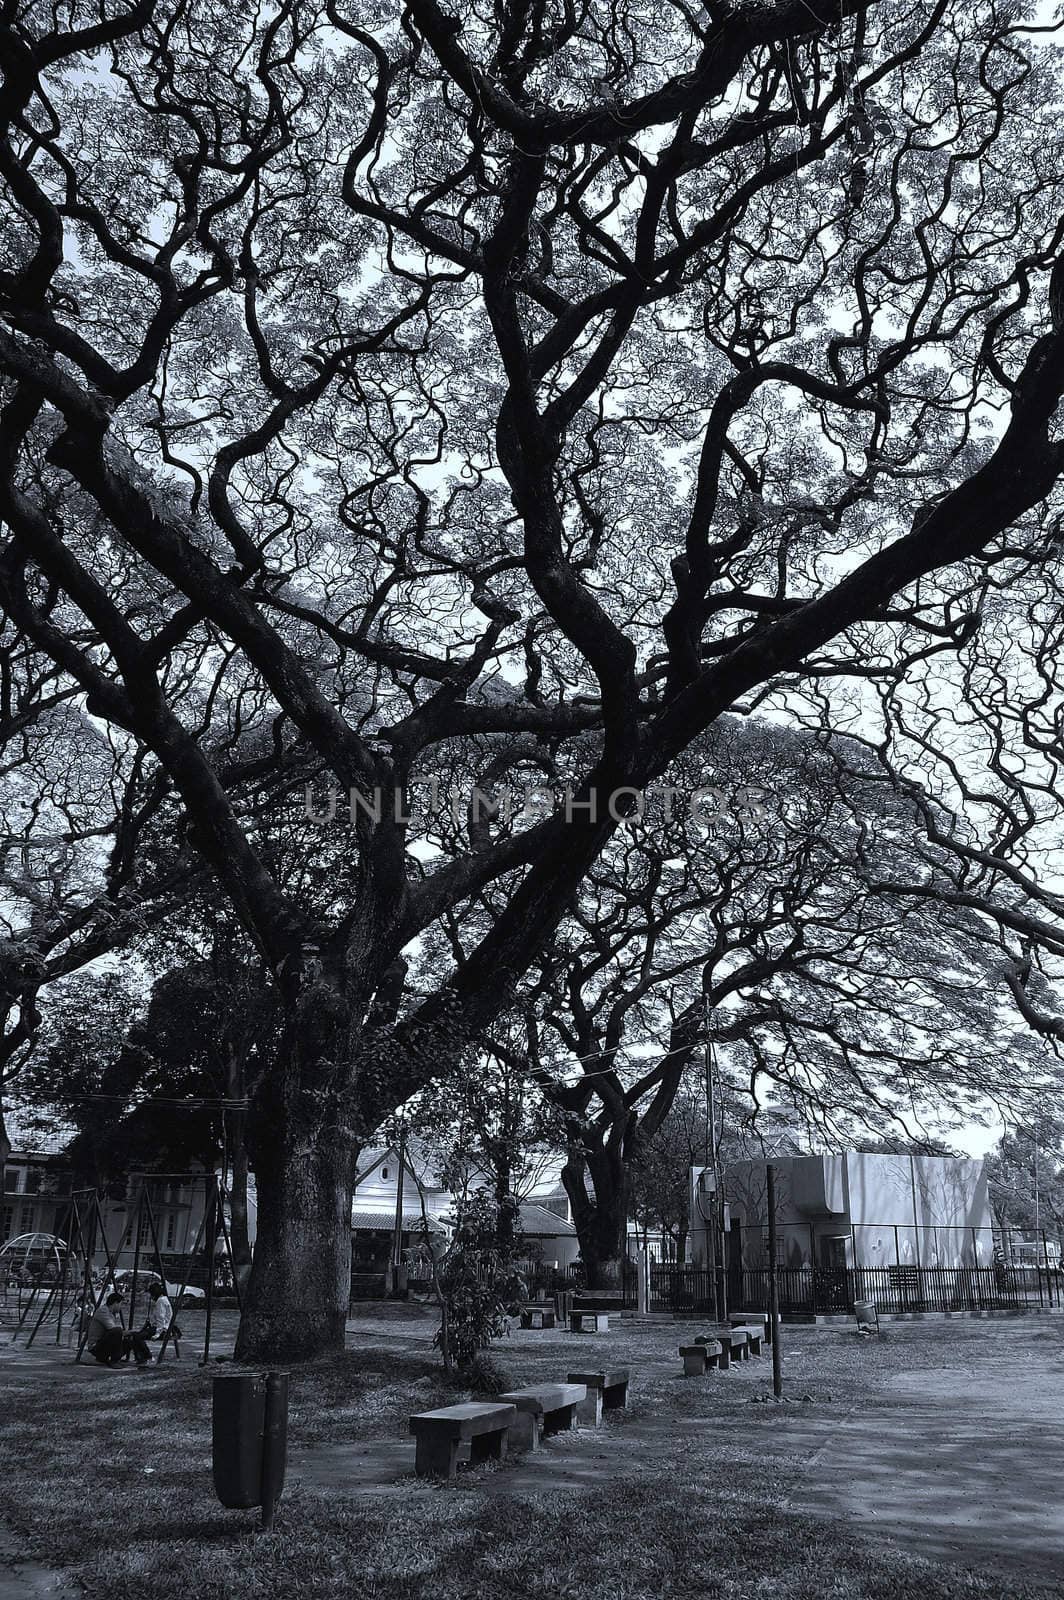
<point x="418" y="1160"/>
<point x="538" y="1222"/>
<point x="384" y="1221"/>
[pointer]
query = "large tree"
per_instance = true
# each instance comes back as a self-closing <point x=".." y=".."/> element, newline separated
<point x="377" y="380"/>
<point x="75" y="881"/>
<point x="771" y="933"/>
<point x="1026" y="1173"/>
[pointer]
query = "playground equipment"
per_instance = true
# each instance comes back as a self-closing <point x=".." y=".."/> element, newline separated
<point x="87" y="1264"/>
<point x="30" y="1256"/>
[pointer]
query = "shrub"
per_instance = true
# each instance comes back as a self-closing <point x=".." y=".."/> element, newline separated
<point x="488" y="1376"/>
<point x="478" y="1282"/>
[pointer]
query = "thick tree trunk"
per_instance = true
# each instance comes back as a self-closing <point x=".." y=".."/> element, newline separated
<point x="603" y="1247"/>
<point x="300" y="1283"/>
<point x="600" y="1218"/>
<point x="303" y="1153"/>
<point x="506" y="1211"/>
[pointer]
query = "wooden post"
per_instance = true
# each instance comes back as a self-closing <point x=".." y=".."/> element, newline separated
<point x="773" y="1284"/>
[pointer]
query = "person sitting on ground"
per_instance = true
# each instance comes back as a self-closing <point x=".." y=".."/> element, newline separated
<point x="108" y="1342"/>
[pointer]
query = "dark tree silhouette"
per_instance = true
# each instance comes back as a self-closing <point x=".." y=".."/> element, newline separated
<point x="373" y="382"/>
<point x="771" y="931"/>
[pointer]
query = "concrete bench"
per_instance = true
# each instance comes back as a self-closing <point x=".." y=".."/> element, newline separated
<point x="481" y="1427"/>
<point x="698" y="1358"/>
<point x="589" y="1322"/>
<point x="542" y="1409"/>
<point x="537" y="1317"/>
<point x="606" y="1391"/>
<point x="733" y="1345"/>
<point x="753" y="1319"/>
<point x="754" y="1334"/>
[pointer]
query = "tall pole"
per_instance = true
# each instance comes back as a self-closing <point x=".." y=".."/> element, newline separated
<point x="716" y="1204"/>
<point x="773" y="1284"/>
<point x="397" y="1237"/>
<point x="711" y="1105"/>
<point x="214" y="1206"/>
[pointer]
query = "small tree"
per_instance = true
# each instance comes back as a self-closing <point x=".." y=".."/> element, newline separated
<point x="1026" y="1173"/>
<point x="479" y="1282"/>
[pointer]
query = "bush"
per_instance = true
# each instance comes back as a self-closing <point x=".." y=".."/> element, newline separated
<point x="484" y="1376"/>
<point x="479" y="1283"/>
<point x="487" y="1375"/>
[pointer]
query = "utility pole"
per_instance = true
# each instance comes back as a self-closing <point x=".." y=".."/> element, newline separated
<point x="773" y="1283"/>
<point x="711" y="1103"/>
<point x="716" y="1204"/>
<point x="397" y="1237"/>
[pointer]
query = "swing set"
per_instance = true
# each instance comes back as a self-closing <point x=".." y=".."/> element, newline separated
<point x="83" y="1283"/>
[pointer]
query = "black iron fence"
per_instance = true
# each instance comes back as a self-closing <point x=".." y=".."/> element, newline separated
<point x="821" y="1291"/>
<point x="824" y="1291"/>
<point x="675" y="1287"/>
<point x="539" y="1277"/>
<point x="543" y="1280"/>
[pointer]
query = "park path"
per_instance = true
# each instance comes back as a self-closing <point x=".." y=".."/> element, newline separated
<point x="25" y="1580"/>
<point x="959" y="1466"/>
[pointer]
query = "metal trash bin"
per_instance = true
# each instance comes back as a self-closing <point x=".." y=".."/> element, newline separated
<point x="866" y="1314"/>
<point x="249" y="1438"/>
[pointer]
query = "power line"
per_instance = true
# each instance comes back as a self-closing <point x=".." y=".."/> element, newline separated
<point x="189" y="1102"/>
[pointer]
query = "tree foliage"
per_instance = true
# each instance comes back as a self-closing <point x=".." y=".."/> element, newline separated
<point x="480" y="1286"/>
<point x="551" y="378"/>
<point x="1026" y="1174"/>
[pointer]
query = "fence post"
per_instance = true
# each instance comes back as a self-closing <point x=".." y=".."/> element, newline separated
<point x="642" y="1281"/>
<point x="773" y="1283"/>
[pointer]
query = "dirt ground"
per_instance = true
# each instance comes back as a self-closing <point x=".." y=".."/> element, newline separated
<point x="960" y="1462"/>
<point x="950" y="1446"/>
<point x="942" y="1439"/>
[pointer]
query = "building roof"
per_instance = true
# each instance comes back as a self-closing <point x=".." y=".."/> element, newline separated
<point x="556" y="1191"/>
<point x="539" y="1223"/>
<point x="384" y="1222"/>
<point x="418" y="1162"/>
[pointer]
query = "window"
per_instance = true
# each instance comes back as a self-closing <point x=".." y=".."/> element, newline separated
<point x="171" y="1231"/>
<point x="25" y="1223"/>
<point x="12" y="1180"/>
<point x="781" y="1249"/>
<point x="384" y="1173"/>
<point x="7" y="1217"/>
<point x="33" y="1180"/>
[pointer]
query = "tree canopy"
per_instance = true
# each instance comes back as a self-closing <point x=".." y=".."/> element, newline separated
<point x="549" y="381"/>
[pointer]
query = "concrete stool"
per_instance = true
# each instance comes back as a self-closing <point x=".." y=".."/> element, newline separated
<point x="441" y="1434"/>
<point x="537" y="1317"/>
<point x="754" y="1336"/>
<point x="751" y="1319"/>
<point x="606" y="1391"/>
<point x="543" y="1409"/>
<point x="699" y="1357"/>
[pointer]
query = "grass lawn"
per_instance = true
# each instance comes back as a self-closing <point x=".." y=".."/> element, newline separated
<point x="108" y="1475"/>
